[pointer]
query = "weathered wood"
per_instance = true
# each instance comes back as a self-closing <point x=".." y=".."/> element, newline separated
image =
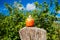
<point x="32" y="33"/>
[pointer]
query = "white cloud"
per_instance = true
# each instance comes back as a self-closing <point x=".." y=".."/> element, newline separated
<point x="58" y="11"/>
<point x="30" y="7"/>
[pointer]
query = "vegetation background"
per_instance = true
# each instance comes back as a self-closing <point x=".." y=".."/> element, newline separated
<point x="44" y="18"/>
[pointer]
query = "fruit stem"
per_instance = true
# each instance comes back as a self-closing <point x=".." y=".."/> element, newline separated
<point x="29" y="16"/>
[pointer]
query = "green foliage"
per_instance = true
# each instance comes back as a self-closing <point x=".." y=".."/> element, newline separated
<point x="10" y="25"/>
<point x="36" y="3"/>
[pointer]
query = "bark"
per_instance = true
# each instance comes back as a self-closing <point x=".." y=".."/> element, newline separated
<point x="32" y="33"/>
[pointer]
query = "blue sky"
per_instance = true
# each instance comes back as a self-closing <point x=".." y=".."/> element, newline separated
<point x="23" y="2"/>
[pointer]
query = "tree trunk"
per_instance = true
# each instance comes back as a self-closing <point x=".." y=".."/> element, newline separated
<point x="32" y="33"/>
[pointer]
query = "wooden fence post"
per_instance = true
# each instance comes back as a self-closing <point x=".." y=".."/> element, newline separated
<point x="32" y="33"/>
